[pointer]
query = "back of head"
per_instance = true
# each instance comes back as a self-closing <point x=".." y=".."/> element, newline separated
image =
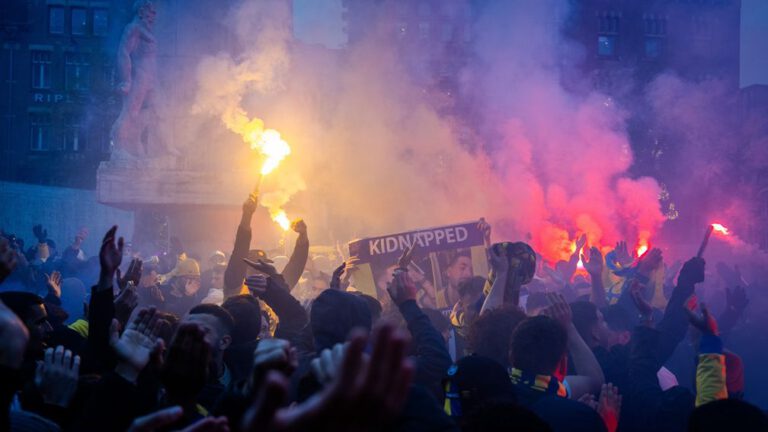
<point x="618" y="319"/>
<point x="566" y="415"/>
<point x="374" y="306"/>
<point x="246" y="312"/>
<point x="584" y="319"/>
<point x="20" y="302"/>
<point x="727" y="414"/>
<point x="223" y="317"/>
<point x="490" y="335"/>
<point x="502" y="417"/>
<point x="475" y="381"/>
<point x="334" y="314"/>
<point x="538" y="345"/>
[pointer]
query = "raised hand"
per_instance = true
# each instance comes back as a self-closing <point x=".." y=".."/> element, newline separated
<point x="132" y="275"/>
<point x="160" y="420"/>
<point x="299" y="227"/>
<point x="343" y="272"/>
<point x="110" y="257"/>
<point x="402" y="288"/>
<point x="593" y="265"/>
<point x="498" y="260"/>
<point x="14" y="337"/>
<point x="8" y="259"/>
<point x="485" y="228"/>
<point x="580" y="242"/>
<point x="325" y="367"/>
<point x="589" y="400"/>
<point x="40" y="234"/>
<point x="137" y="343"/>
<point x="705" y="323"/>
<point x="53" y="281"/>
<point x="57" y="375"/>
<point x="650" y="261"/>
<point x="558" y="309"/>
<point x="336" y="276"/>
<point x="257" y="284"/>
<point x="273" y="355"/>
<point x="406" y="257"/>
<point x="609" y="406"/>
<point x="125" y="303"/>
<point x="622" y="254"/>
<point x="366" y="394"/>
<point x="187" y="367"/>
<point x="250" y="204"/>
<point x="636" y="292"/>
<point x="262" y="266"/>
<point x="692" y="272"/>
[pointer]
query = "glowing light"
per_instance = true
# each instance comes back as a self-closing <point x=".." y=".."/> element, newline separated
<point x="271" y="145"/>
<point x="282" y="219"/>
<point x="641" y="249"/>
<point x="719" y="228"/>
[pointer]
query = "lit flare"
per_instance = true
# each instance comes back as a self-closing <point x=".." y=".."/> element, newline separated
<point x="721" y="229"/>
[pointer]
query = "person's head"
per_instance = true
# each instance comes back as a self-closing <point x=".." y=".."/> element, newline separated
<point x="31" y="311"/>
<point x="149" y="277"/>
<point x="591" y="325"/>
<point x="145" y="10"/>
<point x="217" y="324"/>
<point x="334" y="314"/>
<point x="217" y="258"/>
<point x="490" y="335"/>
<point x="217" y="277"/>
<point x="459" y="269"/>
<point x="539" y="345"/>
<point x="727" y="414"/>
<point x="186" y="277"/>
<point x="620" y="322"/>
<point x="246" y="312"/>
<point x="373" y="305"/>
<point x="473" y="382"/>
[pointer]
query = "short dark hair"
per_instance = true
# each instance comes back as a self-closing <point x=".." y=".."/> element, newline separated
<point x="222" y="316"/>
<point x="490" y="334"/>
<point x="727" y="414"/>
<point x="584" y="318"/>
<point x="373" y="305"/>
<point x="246" y="312"/>
<point x="617" y="318"/>
<point x="20" y="302"/>
<point x="538" y="345"/>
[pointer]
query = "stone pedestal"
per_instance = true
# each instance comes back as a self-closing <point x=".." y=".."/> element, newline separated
<point x="199" y="207"/>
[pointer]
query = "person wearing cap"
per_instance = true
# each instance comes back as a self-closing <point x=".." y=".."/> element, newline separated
<point x="182" y="290"/>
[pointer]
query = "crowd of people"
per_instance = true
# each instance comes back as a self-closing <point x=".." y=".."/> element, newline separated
<point x="122" y="342"/>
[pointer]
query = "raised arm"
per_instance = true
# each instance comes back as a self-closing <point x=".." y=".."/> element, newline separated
<point x="497" y="258"/>
<point x="295" y="267"/>
<point x="235" y="272"/>
<point x="594" y="266"/>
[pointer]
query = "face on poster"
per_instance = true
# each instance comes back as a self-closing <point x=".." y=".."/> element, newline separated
<point x="444" y="258"/>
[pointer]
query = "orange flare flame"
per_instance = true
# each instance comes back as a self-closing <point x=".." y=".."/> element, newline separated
<point x="721" y="229"/>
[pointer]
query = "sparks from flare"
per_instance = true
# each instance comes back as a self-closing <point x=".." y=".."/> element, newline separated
<point x="282" y="219"/>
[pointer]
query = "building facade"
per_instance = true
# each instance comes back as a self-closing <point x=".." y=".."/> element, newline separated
<point x="54" y="70"/>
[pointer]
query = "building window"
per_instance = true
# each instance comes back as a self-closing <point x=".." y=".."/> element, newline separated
<point x="653" y="47"/>
<point x="77" y="72"/>
<point x="79" y="21"/>
<point x="56" y="20"/>
<point x="608" y="22"/>
<point x="41" y="69"/>
<point x="100" y="22"/>
<point x="606" y="45"/>
<point x="39" y="132"/>
<point x="424" y="30"/>
<point x="74" y="138"/>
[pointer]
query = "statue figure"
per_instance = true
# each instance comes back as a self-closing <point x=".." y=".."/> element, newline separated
<point x="137" y="69"/>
